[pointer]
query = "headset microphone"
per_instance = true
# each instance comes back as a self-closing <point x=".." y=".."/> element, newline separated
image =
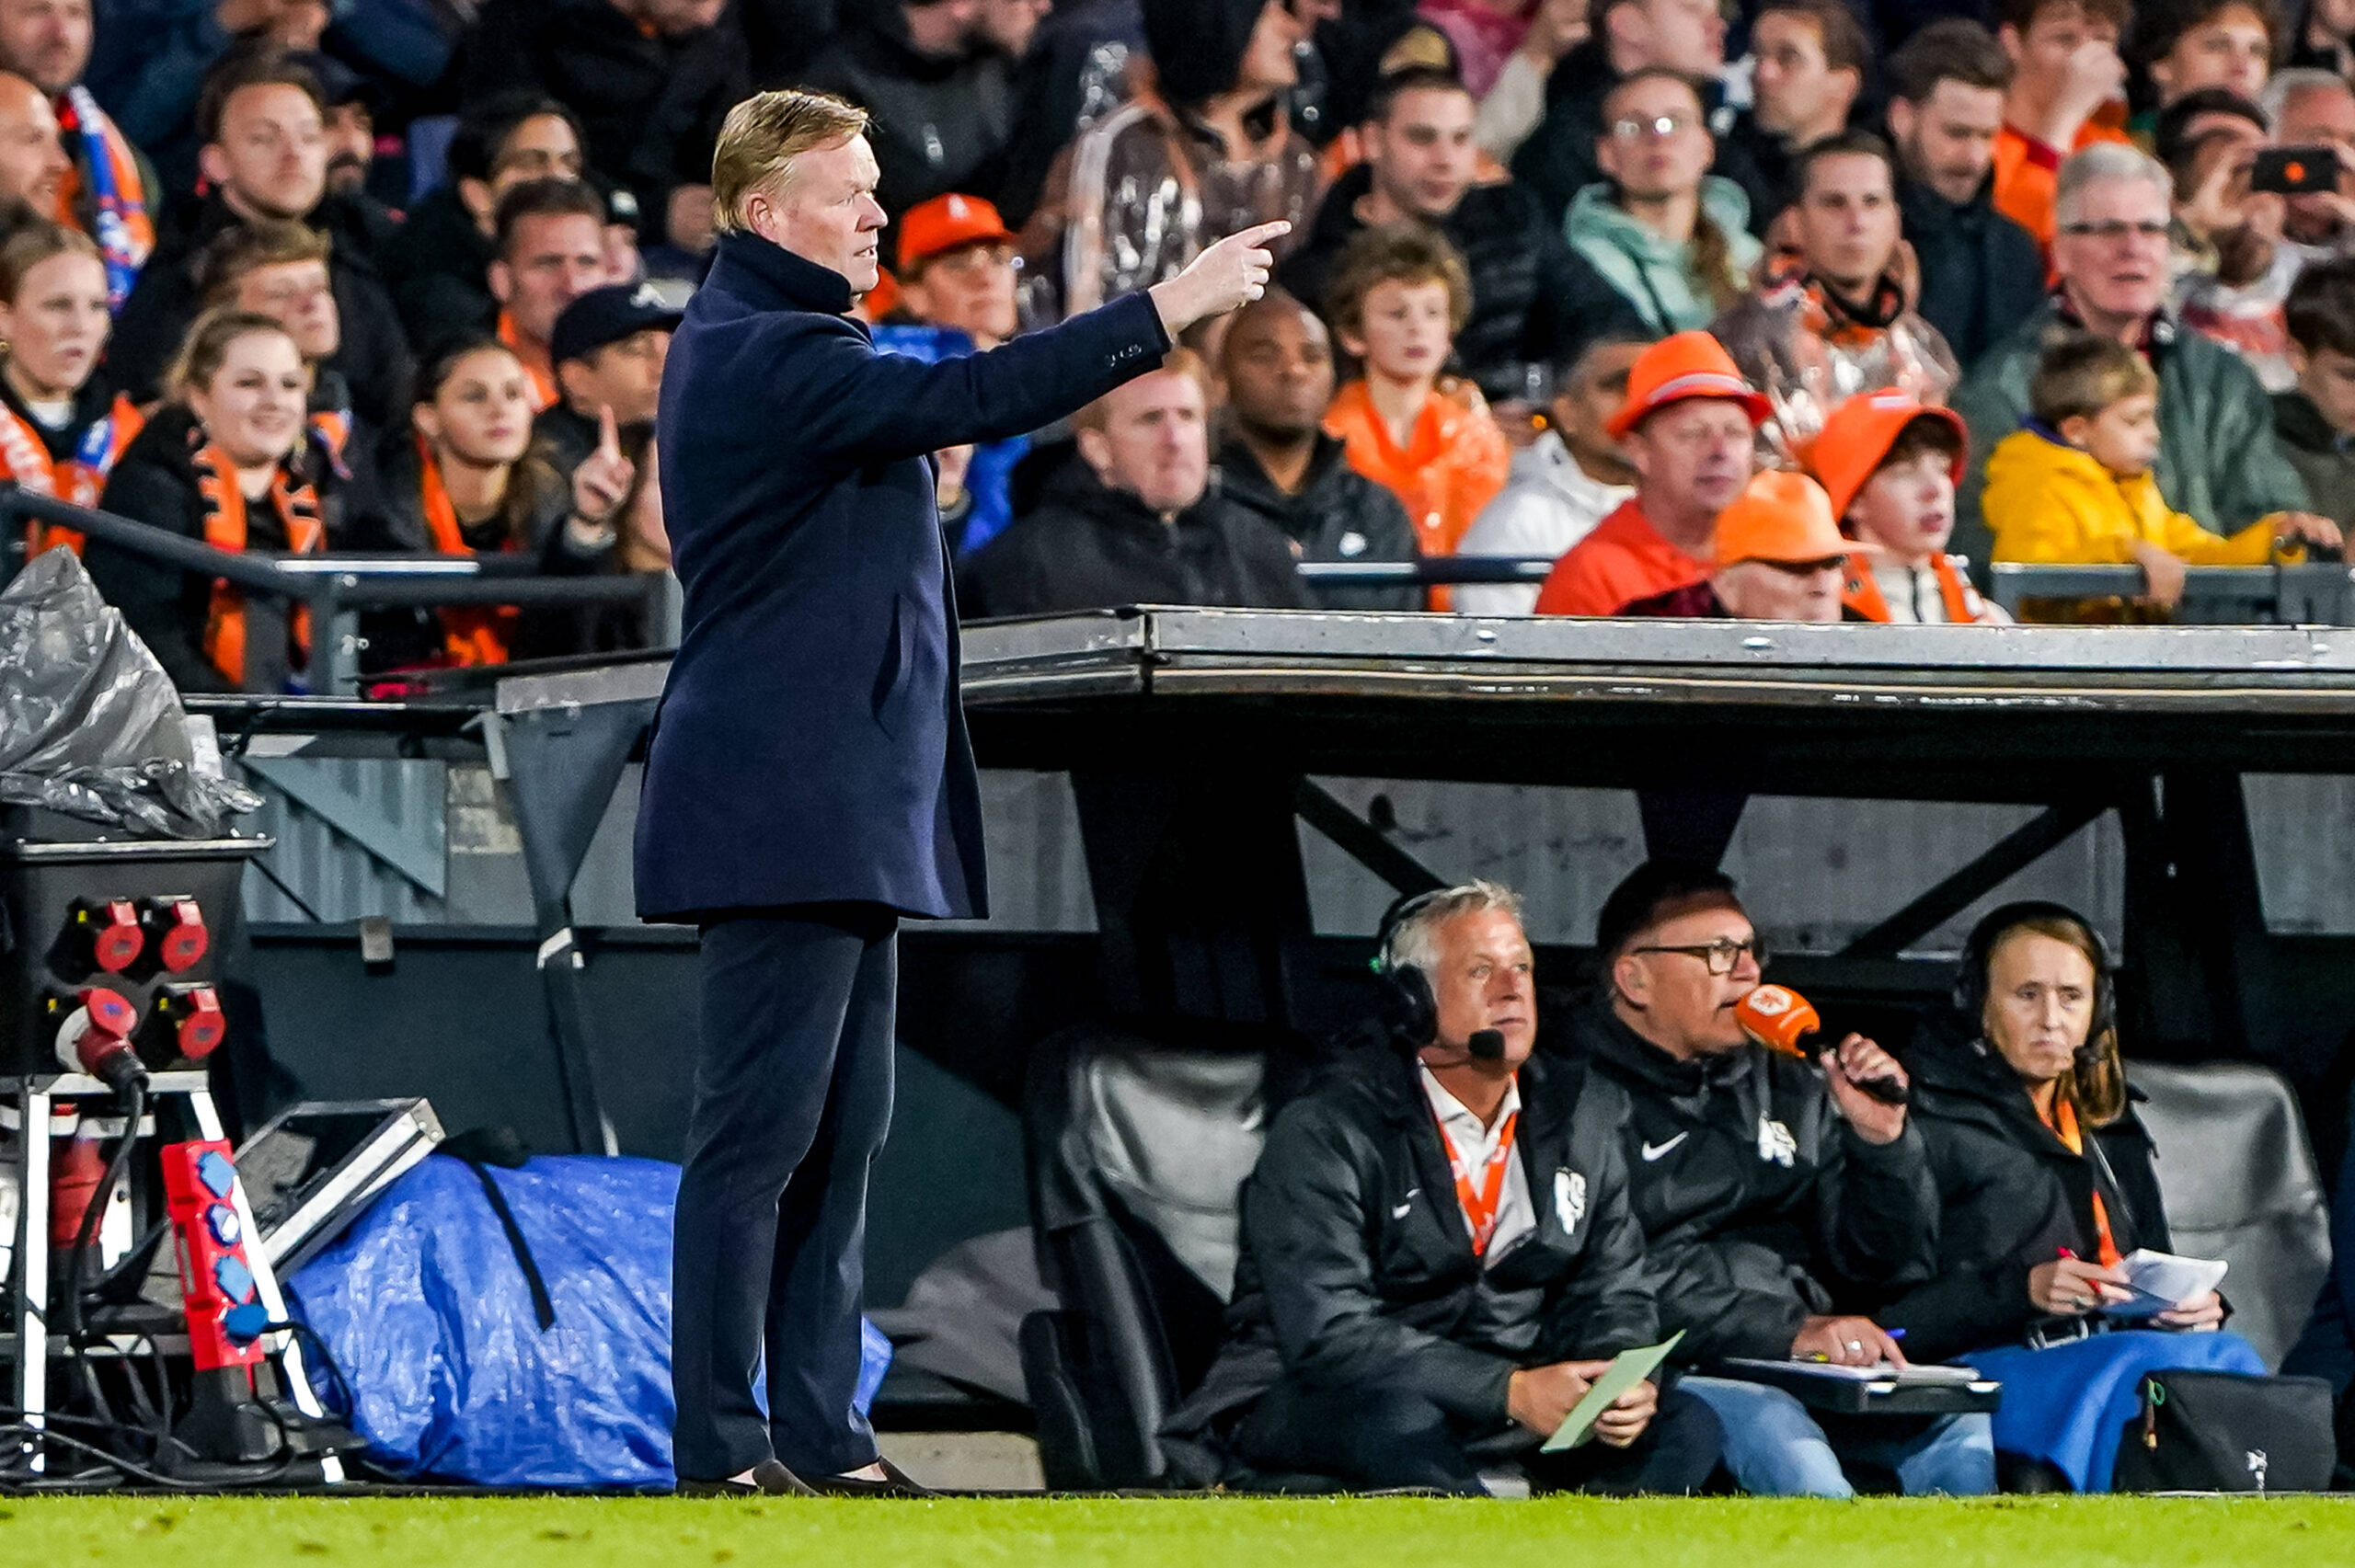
<point x="1779" y="1018"/>
<point x="1487" y="1044"/>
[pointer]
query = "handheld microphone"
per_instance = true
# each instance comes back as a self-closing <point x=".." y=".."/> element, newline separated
<point x="1779" y="1018"/>
<point x="1486" y="1045"/>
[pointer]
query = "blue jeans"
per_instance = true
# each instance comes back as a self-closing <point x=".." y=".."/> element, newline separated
<point x="1775" y="1448"/>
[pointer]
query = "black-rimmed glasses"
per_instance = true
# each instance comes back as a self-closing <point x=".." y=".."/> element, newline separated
<point x="1721" y="956"/>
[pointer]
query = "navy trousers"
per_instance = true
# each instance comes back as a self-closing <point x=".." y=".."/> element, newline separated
<point x="792" y="1097"/>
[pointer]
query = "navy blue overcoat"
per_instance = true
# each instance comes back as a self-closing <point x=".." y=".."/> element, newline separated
<point x="809" y="747"/>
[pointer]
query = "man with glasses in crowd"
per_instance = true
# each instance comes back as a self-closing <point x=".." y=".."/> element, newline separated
<point x="2218" y="460"/>
<point x="1774" y="1196"/>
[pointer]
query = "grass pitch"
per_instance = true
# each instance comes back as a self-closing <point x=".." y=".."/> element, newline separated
<point x="1211" y="1532"/>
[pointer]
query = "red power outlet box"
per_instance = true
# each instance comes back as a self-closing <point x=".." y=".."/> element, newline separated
<point x="200" y="1188"/>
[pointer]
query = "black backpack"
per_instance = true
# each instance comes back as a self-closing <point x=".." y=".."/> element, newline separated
<point x="2228" y="1431"/>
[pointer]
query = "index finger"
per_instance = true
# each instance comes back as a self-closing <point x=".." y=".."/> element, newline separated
<point x="1258" y="233"/>
<point x="609" y="438"/>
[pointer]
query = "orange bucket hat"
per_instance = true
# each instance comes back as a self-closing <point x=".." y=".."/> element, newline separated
<point x="1784" y="517"/>
<point x="1688" y="364"/>
<point x="1858" y="433"/>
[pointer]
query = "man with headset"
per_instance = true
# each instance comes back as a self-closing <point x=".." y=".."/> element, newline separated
<point x="1437" y="1253"/>
<point x="1774" y="1198"/>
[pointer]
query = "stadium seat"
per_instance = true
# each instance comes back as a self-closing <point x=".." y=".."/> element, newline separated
<point x="2240" y="1183"/>
<point x="1138" y="1139"/>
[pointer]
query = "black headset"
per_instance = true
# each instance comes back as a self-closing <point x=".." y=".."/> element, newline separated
<point x="1971" y="984"/>
<point x="1409" y="1009"/>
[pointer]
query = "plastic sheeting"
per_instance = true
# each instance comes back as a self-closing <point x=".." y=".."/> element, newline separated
<point x="430" y="1318"/>
<point x="90" y="726"/>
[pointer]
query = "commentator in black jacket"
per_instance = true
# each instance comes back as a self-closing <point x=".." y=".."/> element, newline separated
<point x="1775" y="1195"/>
<point x="1437" y="1254"/>
<point x="807" y="779"/>
<point x="2046" y="1176"/>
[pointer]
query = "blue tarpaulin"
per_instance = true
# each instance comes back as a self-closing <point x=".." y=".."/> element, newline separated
<point x="430" y="1316"/>
<point x="2068" y="1405"/>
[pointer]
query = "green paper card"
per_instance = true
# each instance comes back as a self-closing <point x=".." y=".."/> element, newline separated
<point x="1626" y="1369"/>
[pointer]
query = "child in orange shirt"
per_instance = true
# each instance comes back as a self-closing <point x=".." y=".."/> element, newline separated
<point x="1397" y="298"/>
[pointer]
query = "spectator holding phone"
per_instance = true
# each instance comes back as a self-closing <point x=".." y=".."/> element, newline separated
<point x="2237" y="273"/>
<point x="2316" y="108"/>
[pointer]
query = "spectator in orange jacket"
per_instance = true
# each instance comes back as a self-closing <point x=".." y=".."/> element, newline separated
<point x="1689" y="428"/>
<point x="1398" y="295"/>
<point x="2068" y="91"/>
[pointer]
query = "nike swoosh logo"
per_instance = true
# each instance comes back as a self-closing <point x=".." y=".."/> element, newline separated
<point x="1654" y="1151"/>
<point x="1407" y="1207"/>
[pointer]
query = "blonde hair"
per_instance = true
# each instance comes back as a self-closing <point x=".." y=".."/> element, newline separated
<point x="237" y="254"/>
<point x="2095" y="1084"/>
<point x="31" y="245"/>
<point x="761" y="138"/>
<point x="1098" y="415"/>
<point x="2082" y="374"/>
<point x="207" y="346"/>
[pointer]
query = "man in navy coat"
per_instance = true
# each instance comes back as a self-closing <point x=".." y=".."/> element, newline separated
<point x="809" y="780"/>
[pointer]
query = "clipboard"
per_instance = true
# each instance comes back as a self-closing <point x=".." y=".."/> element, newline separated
<point x="1626" y="1369"/>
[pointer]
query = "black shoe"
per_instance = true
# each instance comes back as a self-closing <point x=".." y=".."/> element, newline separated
<point x="895" y="1483"/>
<point x="770" y="1479"/>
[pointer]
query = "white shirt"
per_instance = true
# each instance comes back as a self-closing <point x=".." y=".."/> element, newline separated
<point x="1547" y="506"/>
<point x="1476" y="1146"/>
<point x="1912" y="593"/>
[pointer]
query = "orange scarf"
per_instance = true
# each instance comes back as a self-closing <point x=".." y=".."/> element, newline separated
<point x="472" y="635"/>
<point x="297" y="507"/>
<point x="2063" y="1123"/>
<point x="77" y="480"/>
<point x="543" y="383"/>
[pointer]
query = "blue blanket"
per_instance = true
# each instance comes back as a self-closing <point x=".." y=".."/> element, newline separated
<point x="429" y="1317"/>
<point x="2068" y="1406"/>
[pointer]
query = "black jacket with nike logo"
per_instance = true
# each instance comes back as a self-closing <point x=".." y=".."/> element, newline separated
<point x="1357" y="1269"/>
<point x="1760" y="1204"/>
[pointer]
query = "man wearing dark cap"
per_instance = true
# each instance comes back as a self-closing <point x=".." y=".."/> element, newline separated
<point x="608" y="348"/>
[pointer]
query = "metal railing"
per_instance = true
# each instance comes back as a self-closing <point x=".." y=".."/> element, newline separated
<point x="1427" y="570"/>
<point x="2307" y="593"/>
<point x="337" y="588"/>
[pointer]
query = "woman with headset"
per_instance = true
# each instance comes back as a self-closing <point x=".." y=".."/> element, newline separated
<point x="2044" y="1172"/>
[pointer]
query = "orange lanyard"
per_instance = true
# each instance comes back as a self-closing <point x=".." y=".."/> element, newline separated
<point x="543" y="391"/>
<point x="2063" y="1124"/>
<point x="1480" y="1207"/>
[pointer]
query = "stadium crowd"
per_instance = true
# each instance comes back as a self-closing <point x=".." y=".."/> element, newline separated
<point x="1802" y="309"/>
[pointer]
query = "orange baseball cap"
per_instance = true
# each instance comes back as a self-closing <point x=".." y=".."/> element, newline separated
<point x="1689" y="364"/>
<point x="1781" y="517"/>
<point x="1858" y="434"/>
<point x="945" y="223"/>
